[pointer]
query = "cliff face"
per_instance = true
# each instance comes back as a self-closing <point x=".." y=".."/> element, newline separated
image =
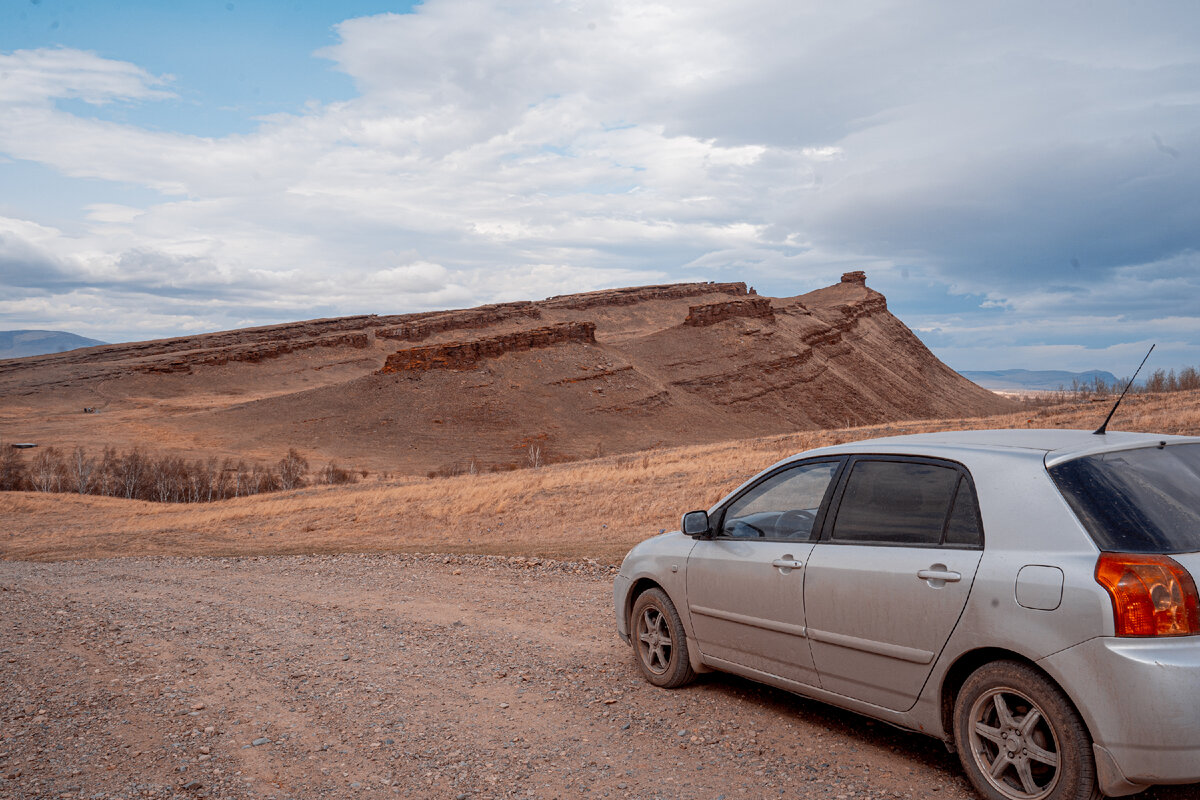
<point x="600" y="372"/>
<point x="465" y="355"/>
<point x="712" y="313"/>
<point x="831" y="358"/>
<point x="255" y="352"/>
<point x="483" y="317"/>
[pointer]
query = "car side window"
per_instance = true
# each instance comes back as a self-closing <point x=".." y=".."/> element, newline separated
<point x="963" y="527"/>
<point x="782" y="506"/>
<point x="899" y="502"/>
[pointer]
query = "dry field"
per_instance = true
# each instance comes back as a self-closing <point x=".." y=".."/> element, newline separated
<point x="588" y="509"/>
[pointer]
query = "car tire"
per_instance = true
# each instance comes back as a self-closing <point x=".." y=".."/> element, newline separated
<point x="659" y="641"/>
<point x="1019" y="737"/>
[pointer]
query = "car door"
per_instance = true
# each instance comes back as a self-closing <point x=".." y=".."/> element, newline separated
<point x="745" y="587"/>
<point x="889" y="578"/>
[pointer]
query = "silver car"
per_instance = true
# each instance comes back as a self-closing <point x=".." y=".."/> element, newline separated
<point x="1024" y="595"/>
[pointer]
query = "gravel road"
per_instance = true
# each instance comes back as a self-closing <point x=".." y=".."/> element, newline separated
<point x="393" y="676"/>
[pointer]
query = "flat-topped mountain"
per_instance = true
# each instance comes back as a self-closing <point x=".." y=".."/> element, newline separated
<point x="500" y="385"/>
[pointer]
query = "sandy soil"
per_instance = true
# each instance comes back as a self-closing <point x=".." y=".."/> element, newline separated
<point x="393" y="676"/>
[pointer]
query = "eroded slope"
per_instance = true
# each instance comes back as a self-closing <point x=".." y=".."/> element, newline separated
<point x="503" y="385"/>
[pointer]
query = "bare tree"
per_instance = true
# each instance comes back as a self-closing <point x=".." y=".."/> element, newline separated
<point x="81" y="470"/>
<point x="12" y="470"/>
<point x="263" y="480"/>
<point x="106" y="472"/>
<point x="211" y="479"/>
<point x="47" y="470"/>
<point x="239" y="479"/>
<point x="163" y="479"/>
<point x="167" y="476"/>
<point x="331" y="473"/>
<point x="131" y="470"/>
<point x="291" y="470"/>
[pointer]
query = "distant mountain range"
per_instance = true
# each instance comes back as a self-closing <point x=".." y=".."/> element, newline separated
<point x="18" y="344"/>
<point x="1015" y="380"/>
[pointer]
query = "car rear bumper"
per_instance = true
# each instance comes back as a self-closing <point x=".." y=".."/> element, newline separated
<point x="1141" y="701"/>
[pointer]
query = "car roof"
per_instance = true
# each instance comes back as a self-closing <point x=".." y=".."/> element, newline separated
<point x="1053" y="445"/>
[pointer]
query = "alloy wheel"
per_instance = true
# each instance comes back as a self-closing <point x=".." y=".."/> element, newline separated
<point x="654" y="640"/>
<point x="1014" y="744"/>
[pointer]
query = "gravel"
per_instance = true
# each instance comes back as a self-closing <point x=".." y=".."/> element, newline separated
<point x="423" y="676"/>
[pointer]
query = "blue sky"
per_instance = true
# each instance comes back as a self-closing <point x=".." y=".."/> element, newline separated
<point x="1020" y="181"/>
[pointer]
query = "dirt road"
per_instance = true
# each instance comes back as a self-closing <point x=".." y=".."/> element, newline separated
<point x="392" y="676"/>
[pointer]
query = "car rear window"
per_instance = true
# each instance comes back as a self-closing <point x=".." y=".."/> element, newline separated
<point x="1136" y="501"/>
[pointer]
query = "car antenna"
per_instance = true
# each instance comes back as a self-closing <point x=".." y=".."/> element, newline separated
<point x="1103" y="429"/>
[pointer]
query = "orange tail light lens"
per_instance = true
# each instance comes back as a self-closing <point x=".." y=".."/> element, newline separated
<point x="1152" y="595"/>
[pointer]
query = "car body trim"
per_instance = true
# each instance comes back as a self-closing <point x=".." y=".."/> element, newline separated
<point x="1112" y="782"/>
<point x="901" y="652"/>
<point x="900" y="719"/>
<point x="754" y="622"/>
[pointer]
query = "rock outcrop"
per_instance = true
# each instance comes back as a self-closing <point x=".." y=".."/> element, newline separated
<point x="466" y="355"/>
<point x="712" y="313"/>
<point x="255" y="352"/>
<point x="640" y="294"/>
<point x="482" y="317"/>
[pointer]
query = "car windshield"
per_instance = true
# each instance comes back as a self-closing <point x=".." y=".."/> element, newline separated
<point x="1136" y="501"/>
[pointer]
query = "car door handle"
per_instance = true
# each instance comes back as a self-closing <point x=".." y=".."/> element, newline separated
<point x="787" y="563"/>
<point x="939" y="575"/>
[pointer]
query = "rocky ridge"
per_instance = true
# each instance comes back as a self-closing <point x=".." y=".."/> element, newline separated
<point x="613" y="371"/>
<point x="466" y="355"/>
<point x="712" y="313"/>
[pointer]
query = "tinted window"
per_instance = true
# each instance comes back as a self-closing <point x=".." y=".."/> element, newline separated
<point x="895" y="502"/>
<point x="1136" y="501"/>
<point x="782" y="506"/>
<point x="963" y="527"/>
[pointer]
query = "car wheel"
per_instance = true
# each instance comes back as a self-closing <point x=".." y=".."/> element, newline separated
<point x="1019" y="737"/>
<point x="659" y="641"/>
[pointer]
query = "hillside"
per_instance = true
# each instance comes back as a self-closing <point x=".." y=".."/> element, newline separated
<point x="597" y="508"/>
<point x="500" y="386"/>
<point x="19" y="344"/>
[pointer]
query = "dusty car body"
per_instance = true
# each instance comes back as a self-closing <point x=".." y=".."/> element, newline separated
<point x="1006" y="635"/>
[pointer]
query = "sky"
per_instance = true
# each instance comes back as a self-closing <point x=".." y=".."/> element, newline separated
<point x="1020" y="179"/>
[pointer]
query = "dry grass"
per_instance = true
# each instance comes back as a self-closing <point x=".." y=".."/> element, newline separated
<point x="588" y="509"/>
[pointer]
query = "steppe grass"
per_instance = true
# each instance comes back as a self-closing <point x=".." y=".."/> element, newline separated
<point x="587" y="509"/>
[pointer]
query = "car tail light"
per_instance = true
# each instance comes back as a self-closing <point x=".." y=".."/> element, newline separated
<point x="1152" y="595"/>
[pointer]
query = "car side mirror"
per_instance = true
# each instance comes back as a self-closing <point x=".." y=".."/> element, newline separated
<point x="695" y="523"/>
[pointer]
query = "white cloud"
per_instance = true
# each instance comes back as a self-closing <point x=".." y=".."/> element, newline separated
<point x="1038" y="159"/>
<point x="38" y="76"/>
